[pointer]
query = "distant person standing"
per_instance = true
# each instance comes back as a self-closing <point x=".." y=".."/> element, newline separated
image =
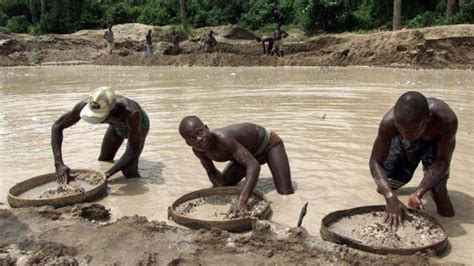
<point x="109" y="38"/>
<point x="266" y="39"/>
<point x="278" y="37"/>
<point x="149" y="44"/>
<point x="176" y="40"/>
<point x="209" y="42"/>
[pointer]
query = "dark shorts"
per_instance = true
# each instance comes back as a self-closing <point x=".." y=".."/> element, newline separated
<point x="404" y="157"/>
<point x="145" y="124"/>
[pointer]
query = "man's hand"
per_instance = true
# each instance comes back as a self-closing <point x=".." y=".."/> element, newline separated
<point x="414" y="202"/>
<point x="63" y="173"/>
<point x="107" y="175"/>
<point x="238" y="210"/>
<point x="395" y="212"/>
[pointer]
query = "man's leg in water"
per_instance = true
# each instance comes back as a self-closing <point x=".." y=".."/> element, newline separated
<point x="441" y="198"/>
<point x="280" y="167"/>
<point x="270" y="48"/>
<point x="233" y="173"/>
<point x="131" y="170"/>
<point x="110" y="145"/>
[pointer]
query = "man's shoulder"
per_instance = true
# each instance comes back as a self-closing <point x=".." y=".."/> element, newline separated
<point x="387" y="125"/>
<point x="440" y="107"/>
<point x="443" y="112"/>
<point x="128" y="104"/>
<point x="225" y="134"/>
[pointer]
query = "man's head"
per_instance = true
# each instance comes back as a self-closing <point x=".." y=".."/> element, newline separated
<point x="411" y="115"/>
<point x="195" y="133"/>
<point x="100" y="102"/>
<point x="110" y="26"/>
<point x="149" y="32"/>
<point x="211" y="32"/>
<point x="258" y="39"/>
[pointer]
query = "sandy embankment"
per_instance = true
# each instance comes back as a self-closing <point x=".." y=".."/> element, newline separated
<point x="436" y="47"/>
<point x="66" y="236"/>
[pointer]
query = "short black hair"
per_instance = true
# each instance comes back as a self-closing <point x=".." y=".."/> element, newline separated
<point x="187" y="121"/>
<point x="411" y="107"/>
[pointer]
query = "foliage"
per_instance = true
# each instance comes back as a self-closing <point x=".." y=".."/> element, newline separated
<point x="66" y="16"/>
<point x="326" y="15"/>
<point x="17" y="24"/>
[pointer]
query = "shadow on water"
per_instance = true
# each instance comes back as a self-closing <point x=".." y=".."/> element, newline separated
<point x="152" y="173"/>
<point x="266" y="185"/>
<point x="462" y="203"/>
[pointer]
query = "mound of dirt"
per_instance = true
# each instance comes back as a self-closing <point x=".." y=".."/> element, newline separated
<point x="29" y="237"/>
<point x="438" y="47"/>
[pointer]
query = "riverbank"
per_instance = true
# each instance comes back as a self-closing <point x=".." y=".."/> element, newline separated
<point x="66" y="236"/>
<point x="436" y="47"/>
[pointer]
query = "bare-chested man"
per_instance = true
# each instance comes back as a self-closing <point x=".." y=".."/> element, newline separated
<point x="278" y="37"/>
<point x="415" y="129"/>
<point x="246" y="146"/>
<point x="126" y="119"/>
<point x="267" y="49"/>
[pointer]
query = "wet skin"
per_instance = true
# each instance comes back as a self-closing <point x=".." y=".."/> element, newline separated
<point x="236" y="143"/>
<point x="126" y="114"/>
<point x="441" y="125"/>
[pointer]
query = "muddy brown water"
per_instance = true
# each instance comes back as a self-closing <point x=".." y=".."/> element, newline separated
<point x="327" y="117"/>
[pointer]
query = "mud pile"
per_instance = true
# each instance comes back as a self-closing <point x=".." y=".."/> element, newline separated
<point x="437" y="47"/>
<point x="47" y="235"/>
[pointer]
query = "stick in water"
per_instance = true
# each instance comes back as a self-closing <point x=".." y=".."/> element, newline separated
<point x="302" y="214"/>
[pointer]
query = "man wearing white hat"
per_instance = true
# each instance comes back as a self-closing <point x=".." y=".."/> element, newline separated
<point x="126" y="119"/>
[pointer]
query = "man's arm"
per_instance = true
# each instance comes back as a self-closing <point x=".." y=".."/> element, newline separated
<point x="248" y="161"/>
<point x="440" y="167"/>
<point x="214" y="175"/>
<point x="394" y="211"/>
<point x="132" y="151"/>
<point x="65" y="121"/>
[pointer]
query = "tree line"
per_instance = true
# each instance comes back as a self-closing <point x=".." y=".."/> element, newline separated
<point x="313" y="16"/>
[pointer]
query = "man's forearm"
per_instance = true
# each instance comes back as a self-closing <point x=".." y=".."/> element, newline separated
<point x="380" y="177"/>
<point x="250" y="182"/>
<point x="433" y="176"/>
<point x="56" y="144"/>
<point x="128" y="157"/>
<point x="215" y="177"/>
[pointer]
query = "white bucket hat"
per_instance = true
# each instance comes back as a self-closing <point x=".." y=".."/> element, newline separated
<point x="101" y="101"/>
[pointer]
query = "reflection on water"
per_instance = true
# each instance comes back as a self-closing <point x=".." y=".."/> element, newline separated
<point x="327" y="117"/>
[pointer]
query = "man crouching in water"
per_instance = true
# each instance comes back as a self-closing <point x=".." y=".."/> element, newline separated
<point x="416" y="129"/>
<point x="126" y="119"/>
<point x="246" y="146"/>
